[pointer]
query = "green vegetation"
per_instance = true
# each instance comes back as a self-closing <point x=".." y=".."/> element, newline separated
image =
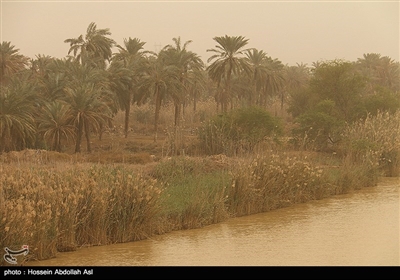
<point x="240" y="129"/>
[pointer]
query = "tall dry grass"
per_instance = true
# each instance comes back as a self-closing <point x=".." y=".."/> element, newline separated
<point x="271" y="181"/>
<point x="60" y="209"/>
<point x="375" y="140"/>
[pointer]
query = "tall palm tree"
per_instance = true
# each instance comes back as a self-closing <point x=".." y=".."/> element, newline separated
<point x="55" y="123"/>
<point x="95" y="47"/>
<point x="126" y="68"/>
<point x="186" y="62"/>
<point x="227" y="62"/>
<point x="160" y="80"/>
<point x="11" y="62"/>
<point x="275" y="77"/>
<point x="88" y="111"/>
<point x="88" y="94"/>
<point x="256" y="59"/>
<point x="198" y="84"/>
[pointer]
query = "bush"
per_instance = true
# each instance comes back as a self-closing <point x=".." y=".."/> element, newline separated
<point x="318" y="128"/>
<point x="238" y="130"/>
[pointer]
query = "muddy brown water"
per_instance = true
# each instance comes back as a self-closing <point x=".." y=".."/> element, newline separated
<point x="356" y="229"/>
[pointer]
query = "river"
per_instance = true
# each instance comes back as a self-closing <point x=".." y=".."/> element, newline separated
<point x="356" y="229"/>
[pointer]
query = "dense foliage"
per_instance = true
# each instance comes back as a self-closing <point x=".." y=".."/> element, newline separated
<point x="240" y="128"/>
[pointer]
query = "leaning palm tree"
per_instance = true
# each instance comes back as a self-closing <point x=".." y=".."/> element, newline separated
<point x="11" y="62"/>
<point x="227" y="62"/>
<point x="95" y="47"/>
<point x="55" y="124"/>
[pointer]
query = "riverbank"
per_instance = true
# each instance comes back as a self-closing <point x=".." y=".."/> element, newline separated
<point x="354" y="229"/>
<point x="59" y="206"/>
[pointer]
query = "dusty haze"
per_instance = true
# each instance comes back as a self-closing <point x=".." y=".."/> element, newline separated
<point x="293" y="32"/>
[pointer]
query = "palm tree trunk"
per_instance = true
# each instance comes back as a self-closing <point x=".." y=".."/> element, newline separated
<point x="194" y="100"/>
<point x="157" y="113"/>
<point x="177" y="113"/>
<point x="79" y="137"/>
<point x="2" y="142"/>
<point x="127" y="113"/>
<point x="224" y="101"/>
<point x="87" y="134"/>
<point x="228" y="88"/>
<point x="57" y="143"/>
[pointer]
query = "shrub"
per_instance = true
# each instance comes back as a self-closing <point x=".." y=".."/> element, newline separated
<point x="240" y="129"/>
<point x="318" y="128"/>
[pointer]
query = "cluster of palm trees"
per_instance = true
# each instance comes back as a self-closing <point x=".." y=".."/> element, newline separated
<point x="46" y="101"/>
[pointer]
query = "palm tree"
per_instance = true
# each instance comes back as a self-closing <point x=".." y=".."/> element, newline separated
<point x="160" y="80"/>
<point x="198" y="84"/>
<point x="50" y="82"/>
<point x="126" y="68"/>
<point x="379" y="71"/>
<point x="256" y="60"/>
<point x="296" y="79"/>
<point x="40" y="65"/>
<point x="55" y="124"/>
<point x="227" y="62"/>
<point x="17" y="109"/>
<point x="95" y="47"/>
<point x="296" y="76"/>
<point x="388" y="73"/>
<point x="11" y="62"/>
<point x="88" y="111"/>
<point x="275" y="78"/>
<point x="186" y="62"/>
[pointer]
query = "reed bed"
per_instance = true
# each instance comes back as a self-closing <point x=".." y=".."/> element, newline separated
<point x="54" y="209"/>
<point x="375" y="140"/>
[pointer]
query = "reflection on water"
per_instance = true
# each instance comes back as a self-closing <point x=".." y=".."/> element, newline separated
<point x="358" y="229"/>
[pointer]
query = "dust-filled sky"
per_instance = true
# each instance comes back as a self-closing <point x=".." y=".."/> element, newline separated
<point x="291" y="31"/>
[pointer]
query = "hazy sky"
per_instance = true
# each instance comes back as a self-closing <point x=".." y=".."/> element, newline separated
<point x="291" y="31"/>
